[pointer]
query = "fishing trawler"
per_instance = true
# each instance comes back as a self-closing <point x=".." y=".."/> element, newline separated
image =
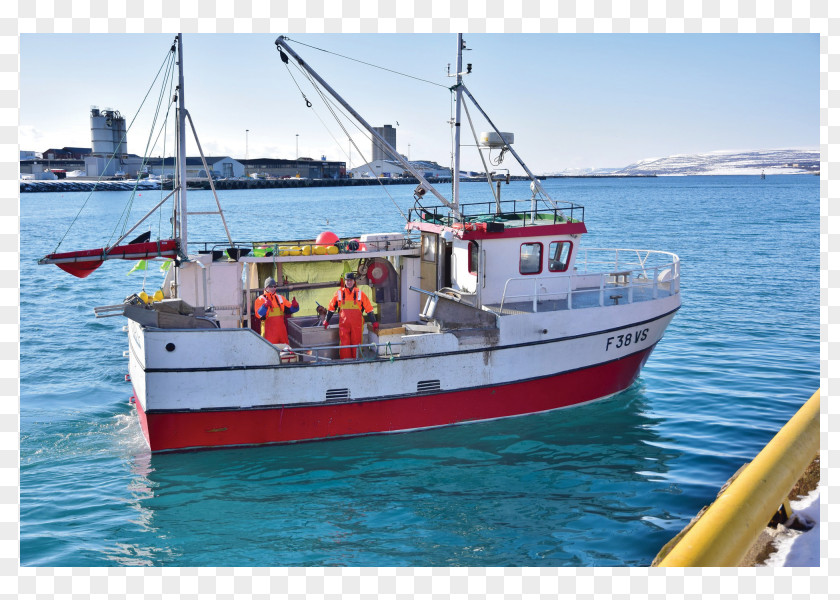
<point x="487" y="310"/>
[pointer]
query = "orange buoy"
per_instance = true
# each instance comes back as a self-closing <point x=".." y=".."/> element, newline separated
<point x="326" y="238"/>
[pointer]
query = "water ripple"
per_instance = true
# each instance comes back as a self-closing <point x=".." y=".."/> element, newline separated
<point x="603" y="484"/>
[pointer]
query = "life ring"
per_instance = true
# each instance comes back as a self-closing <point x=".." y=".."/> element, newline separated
<point x="377" y="272"/>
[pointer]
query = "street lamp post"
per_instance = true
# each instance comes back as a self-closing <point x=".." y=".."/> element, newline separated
<point x="246" y="152"/>
<point x="297" y="152"/>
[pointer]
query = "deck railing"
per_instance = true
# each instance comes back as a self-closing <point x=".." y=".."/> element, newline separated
<point x="513" y="212"/>
<point x="601" y="277"/>
<point x="365" y="352"/>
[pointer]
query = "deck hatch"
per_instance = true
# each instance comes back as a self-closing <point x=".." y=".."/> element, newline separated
<point x="430" y="385"/>
<point x="338" y="394"/>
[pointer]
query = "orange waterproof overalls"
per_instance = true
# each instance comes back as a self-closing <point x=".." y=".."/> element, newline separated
<point x="350" y="320"/>
<point x="273" y="327"/>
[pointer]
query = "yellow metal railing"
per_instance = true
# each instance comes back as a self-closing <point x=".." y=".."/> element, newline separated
<point x="724" y="534"/>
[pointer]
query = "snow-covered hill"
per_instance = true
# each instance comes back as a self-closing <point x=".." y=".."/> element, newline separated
<point x="584" y="172"/>
<point x="723" y="162"/>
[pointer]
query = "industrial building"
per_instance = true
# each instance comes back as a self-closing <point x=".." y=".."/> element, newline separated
<point x="66" y="153"/>
<point x="108" y="158"/>
<point x="390" y="135"/>
<point x="302" y="167"/>
<point x="58" y="159"/>
<point x="220" y="166"/>
<point x="391" y="168"/>
<point x="384" y="164"/>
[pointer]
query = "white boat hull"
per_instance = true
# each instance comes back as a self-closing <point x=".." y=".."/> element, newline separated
<point x="219" y="387"/>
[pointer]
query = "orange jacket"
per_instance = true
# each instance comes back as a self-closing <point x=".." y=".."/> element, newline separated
<point x="273" y="326"/>
<point x="354" y="299"/>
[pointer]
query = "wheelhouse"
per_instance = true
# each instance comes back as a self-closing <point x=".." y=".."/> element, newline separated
<point x="497" y="244"/>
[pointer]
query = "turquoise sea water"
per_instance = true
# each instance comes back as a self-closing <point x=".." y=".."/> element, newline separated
<point x="604" y="484"/>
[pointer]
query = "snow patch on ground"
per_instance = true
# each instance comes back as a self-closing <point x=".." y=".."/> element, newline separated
<point x="737" y="171"/>
<point x="799" y="548"/>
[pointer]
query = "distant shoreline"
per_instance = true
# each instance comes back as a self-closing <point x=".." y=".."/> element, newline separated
<point x="604" y="176"/>
<point x="88" y="185"/>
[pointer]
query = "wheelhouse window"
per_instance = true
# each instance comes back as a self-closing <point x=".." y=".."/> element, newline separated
<point x="472" y="261"/>
<point x="530" y="258"/>
<point x="558" y="256"/>
<point x="428" y="249"/>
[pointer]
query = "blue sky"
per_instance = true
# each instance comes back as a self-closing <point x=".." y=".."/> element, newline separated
<point x="572" y="100"/>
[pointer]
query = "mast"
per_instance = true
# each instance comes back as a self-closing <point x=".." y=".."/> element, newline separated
<point x="281" y="42"/>
<point x="456" y="167"/>
<point x="182" y="152"/>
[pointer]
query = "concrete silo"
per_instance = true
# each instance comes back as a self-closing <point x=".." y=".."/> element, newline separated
<point x="108" y="139"/>
<point x="390" y="135"/>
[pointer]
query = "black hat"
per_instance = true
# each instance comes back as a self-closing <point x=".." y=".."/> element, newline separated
<point x="350" y="275"/>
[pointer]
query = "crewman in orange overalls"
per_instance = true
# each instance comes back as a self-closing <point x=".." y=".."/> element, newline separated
<point x="350" y="301"/>
<point x="271" y="308"/>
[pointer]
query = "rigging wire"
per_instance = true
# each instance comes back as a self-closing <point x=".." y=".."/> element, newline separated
<point x="332" y="107"/>
<point x="169" y="57"/>
<point x="285" y="60"/>
<point x="163" y="160"/>
<point x="309" y="103"/>
<point x="480" y="154"/>
<point x="161" y="96"/>
<point x="146" y="151"/>
<point x="369" y="64"/>
<point x="161" y="134"/>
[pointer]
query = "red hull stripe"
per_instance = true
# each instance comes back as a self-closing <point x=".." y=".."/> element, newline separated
<point x="293" y="423"/>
